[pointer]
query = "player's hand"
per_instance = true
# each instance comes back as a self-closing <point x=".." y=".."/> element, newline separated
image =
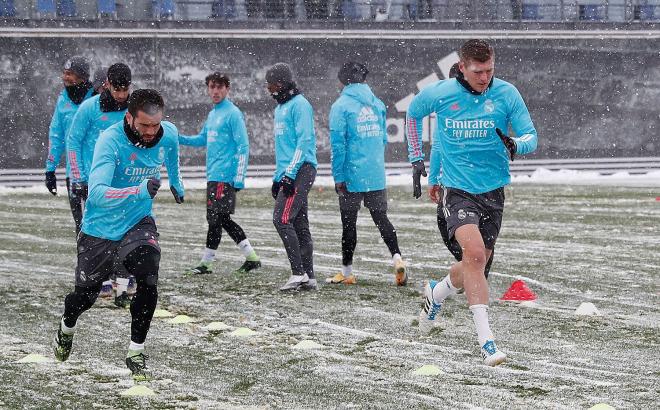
<point x="178" y="198"/>
<point x="275" y="189"/>
<point x="51" y="182"/>
<point x="340" y="188"/>
<point x="419" y="170"/>
<point x="508" y="142"/>
<point x="436" y="193"/>
<point x="79" y="189"/>
<point x="288" y="186"/>
<point x="153" y="185"/>
<point x="234" y="188"/>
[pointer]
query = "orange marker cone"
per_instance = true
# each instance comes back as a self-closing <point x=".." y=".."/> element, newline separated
<point x="518" y="292"/>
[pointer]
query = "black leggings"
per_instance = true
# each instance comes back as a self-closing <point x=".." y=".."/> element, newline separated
<point x="218" y="222"/>
<point x="349" y="233"/>
<point x="142" y="263"/>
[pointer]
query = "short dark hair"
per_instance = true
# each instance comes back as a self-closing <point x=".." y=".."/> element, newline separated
<point x="119" y="75"/>
<point x="218" y="78"/>
<point x="476" y="49"/>
<point x="454" y="70"/>
<point x="146" y="100"/>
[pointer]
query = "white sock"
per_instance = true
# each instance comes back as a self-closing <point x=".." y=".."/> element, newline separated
<point x="67" y="330"/>
<point x="396" y="258"/>
<point x="443" y="289"/>
<point x="347" y="270"/>
<point x="208" y="255"/>
<point x="107" y="283"/>
<point x="480" y="316"/>
<point x="122" y="285"/>
<point x="136" y="346"/>
<point x="245" y="247"/>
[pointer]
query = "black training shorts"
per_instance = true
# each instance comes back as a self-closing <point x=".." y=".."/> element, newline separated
<point x="99" y="258"/>
<point x="220" y="198"/>
<point x="484" y="210"/>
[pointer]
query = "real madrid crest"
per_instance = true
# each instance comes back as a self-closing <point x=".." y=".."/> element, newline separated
<point x="489" y="106"/>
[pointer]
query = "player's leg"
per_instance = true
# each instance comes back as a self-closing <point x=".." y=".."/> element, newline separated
<point x="227" y="206"/>
<point x="349" y="206"/>
<point x="140" y="254"/>
<point x="285" y="213"/>
<point x="376" y="202"/>
<point x="214" y="191"/>
<point x="301" y="225"/>
<point x="95" y="261"/>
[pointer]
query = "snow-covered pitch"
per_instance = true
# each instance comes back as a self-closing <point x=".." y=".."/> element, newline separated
<point x="357" y="346"/>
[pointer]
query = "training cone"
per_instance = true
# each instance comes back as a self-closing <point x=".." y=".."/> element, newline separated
<point x="518" y="292"/>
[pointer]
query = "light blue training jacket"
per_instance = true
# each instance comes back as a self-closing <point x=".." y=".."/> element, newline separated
<point x="358" y="136"/>
<point x="60" y="123"/>
<point x="295" y="139"/>
<point x="227" y="146"/>
<point x="86" y="127"/>
<point x="471" y="155"/>
<point x="118" y="197"/>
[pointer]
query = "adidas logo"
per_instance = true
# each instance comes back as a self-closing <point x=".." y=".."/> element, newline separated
<point x="367" y="115"/>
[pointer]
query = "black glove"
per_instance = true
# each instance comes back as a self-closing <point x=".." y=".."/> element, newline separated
<point x="51" y="182"/>
<point x="178" y="198"/>
<point x="153" y="185"/>
<point x="79" y="189"/>
<point x="288" y="186"/>
<point x="508" y="142"/>
<point x="419" y="170"/>
<point x="275" y="189"/>
<point x="234" y="188"/>
<point x="340" y="188"/>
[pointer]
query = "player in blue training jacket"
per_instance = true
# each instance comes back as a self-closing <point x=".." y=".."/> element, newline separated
<point x="118" y="227"/>
<point x="93" y="117"/>
<point x="473" y="112"/>
<point x="436" y="194"/>
<point x="227" y="152"/>
<point x="77" y="89"/>
<point x="358" y="135"/>
<point x="295" y="171"/>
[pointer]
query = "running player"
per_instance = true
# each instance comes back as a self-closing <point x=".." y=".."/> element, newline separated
<point x="474" y="112"/>
<point x="118" y="227"/>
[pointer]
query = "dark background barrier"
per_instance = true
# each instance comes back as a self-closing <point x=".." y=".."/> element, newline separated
<point x="588" y="98"/>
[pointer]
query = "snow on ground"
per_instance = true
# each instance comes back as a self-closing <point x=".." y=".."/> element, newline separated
<point x="570" y="243"/>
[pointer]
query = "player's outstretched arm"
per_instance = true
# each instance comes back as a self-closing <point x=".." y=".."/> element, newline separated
<point x="198" y="140"/>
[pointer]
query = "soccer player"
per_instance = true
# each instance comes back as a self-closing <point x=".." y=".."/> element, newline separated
<point x="93" y="117"/>
<point x="474" y="112"/>
<point x="100" y="80"/>
<point x="436" y="195"/>
<point x="227" y="152"/>
<point x="295" y="171"/>
<point x="77" y="89"/>
<point x="118" y="227"/>
<point x="358" y="135"/>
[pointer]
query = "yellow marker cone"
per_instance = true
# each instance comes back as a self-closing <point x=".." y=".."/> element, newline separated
<point x="428" y="370"/>
<point x="243" y="332"/>
<point x="162" y="313"/>
<point x="138" y="390"/>
<point x="34" y="358"/>
<point x="602" y="406"/>
<point x="216" y="327"/>
<point x="308" y="345"/>
<point x="181" y="319"/>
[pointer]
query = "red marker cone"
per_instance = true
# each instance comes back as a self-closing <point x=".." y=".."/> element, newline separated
<point x="518" y="292"/>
